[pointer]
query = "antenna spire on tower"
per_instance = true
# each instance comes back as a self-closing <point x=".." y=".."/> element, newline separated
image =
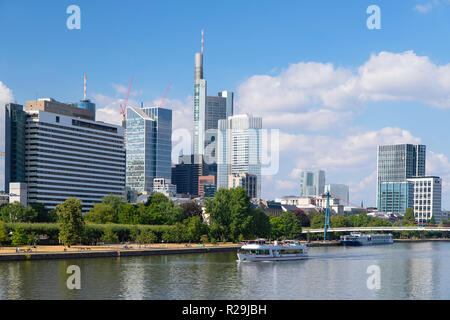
<point x="202" y="41"/>
<point x="85" y="86"/>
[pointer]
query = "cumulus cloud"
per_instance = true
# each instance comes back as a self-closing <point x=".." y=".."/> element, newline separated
<point x="313" y="95"/>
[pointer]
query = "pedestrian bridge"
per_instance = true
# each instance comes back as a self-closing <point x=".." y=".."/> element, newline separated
<point x="371" y="229"/>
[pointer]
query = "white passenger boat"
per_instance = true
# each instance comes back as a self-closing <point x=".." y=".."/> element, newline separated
<point x="358" y="239"/>
<point x="260" y="250"/>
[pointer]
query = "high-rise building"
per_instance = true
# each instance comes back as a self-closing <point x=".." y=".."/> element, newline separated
<point x="85" y="109"/>
<point x="245" y="180"/>
<point x="312" y="183"/>
<point x="66" y="157"/>
<point x="427" y="198"/>
<point x="239" y="149"/>
<point x="148" y="147"/>
<point x="341" y="191"/>
<point x="185" y="174"/>
<point x="208" y="110"/>
<point x="396" y="164"/>
<point x="15" y="123"/>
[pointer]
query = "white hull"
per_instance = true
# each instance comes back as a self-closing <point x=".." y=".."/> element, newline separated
<point x="246" y="257"/>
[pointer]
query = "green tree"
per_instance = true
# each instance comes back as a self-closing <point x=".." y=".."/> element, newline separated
<point x="240" y="210"/>
<point x="409" y="215"/>
<point x="261" y="227"/>
<point x="338" y="221"/>
<point x="128" y="214"/>
<point x="219" y="211"/>
<point x="101" y="213"/>
<point x="147" y="236"/>
<point x="3" y="232"/>
<point x="70" y="221"/>
<point x="43" y="214"/>
<point x="16" y="212"/>
<point x="303" y="218"/>
<point x="318" y="221"/>
<point x="432" y="221"/>
<point x="191" y="209"/>
<point x="19" y="237"/>
<point x="194" y="228"/>
<point x="286" y="226"/>
<point x="109" y="236"/>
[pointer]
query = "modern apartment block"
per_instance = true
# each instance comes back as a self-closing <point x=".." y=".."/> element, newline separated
<point x="239" y="149"/>
<point x="208" y="110"/>
<point x="427" y="198"/>
<point x="149" y="147"/>
<point x="312" y="183"/>
<point x="340" y="191"/>
<point x="396" y="164"/>
<point x="248" y="181"/>
<point x="52" y="156"/>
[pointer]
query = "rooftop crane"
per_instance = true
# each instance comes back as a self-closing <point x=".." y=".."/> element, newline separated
<point x="165" y="95"/>
<point x="123" y="110"/>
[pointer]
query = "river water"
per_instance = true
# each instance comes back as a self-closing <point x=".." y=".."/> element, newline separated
<point x="406" y="271"/>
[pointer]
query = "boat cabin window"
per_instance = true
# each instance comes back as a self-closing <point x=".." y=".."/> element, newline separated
<point x="254" y="252"/>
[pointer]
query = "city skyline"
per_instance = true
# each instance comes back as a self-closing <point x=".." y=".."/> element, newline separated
<point x="334" y="120"/>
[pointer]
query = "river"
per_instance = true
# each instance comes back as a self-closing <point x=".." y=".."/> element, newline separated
<point x="406" y="271"/>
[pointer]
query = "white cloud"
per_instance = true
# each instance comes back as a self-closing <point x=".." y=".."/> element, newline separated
<point x="286" y="184"/>
<point x="313" y="96"/>
<point x="425" y="8"/>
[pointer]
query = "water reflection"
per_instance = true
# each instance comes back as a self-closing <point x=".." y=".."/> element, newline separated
<point x="408" y="271"/>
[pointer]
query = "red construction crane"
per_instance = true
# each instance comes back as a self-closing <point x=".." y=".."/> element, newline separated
<point x="123" y="110"/>
<point x="165" y="95"/>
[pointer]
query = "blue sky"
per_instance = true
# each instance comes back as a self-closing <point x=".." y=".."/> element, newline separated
<point x="250" y="45"/>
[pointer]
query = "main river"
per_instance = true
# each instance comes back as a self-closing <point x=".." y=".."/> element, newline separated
<point x="406" y="271"/>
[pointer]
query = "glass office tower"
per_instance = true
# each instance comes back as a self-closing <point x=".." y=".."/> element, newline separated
<point x="239" y="149"/>
<point x="395" y="164"/>
<point x="312" y="184"/>
<point x="15" y="123"/>
<point x="149" y="147"/>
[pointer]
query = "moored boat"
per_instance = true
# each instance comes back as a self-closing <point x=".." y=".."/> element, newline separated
<point x="358" y="239"/>
<point x="260" y="250"/>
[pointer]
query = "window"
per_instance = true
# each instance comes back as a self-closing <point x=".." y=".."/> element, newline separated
<point x="57" y="119"/>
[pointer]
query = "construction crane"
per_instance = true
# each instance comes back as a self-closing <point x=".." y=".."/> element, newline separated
<point x="165" y="95"/>
<point x="123" y="110"/>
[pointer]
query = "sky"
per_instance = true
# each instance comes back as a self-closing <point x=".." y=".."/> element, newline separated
<point x="334" y="88"/>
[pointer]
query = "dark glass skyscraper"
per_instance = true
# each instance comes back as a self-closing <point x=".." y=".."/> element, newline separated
<point x="15" y="123"/>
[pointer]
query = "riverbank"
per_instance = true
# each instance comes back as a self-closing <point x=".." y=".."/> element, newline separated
<point x="80" y="252"/>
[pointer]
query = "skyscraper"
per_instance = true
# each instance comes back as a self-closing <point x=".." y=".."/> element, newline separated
<point x="52" y="156"/>
<point x="312" y="183"/>
<point x="15" y="123"/>
<point x="239" y="149"/>
<point x="208" y="110"/>
<point x="395" y="165"/>
<point x="341" y="191"/>
<point x="148" y="147"/>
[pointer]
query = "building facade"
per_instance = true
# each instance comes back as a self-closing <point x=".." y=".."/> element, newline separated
<point x="164" y="186"/>
<point x="205" y="181"/>
<point x="340" y="191"/>
<point x="185" y="174"/>
<point x="208" y="110"/>
<point x="15" y="124"/>
<point x="69" y="157"/>
<point x="248" y="181"/>
<point x="312" y="183"/>
<point x="148" y="147"/>
<point x="239" y="149"/>
<point x="427" y="198"/>
<point x="396" y="164"/>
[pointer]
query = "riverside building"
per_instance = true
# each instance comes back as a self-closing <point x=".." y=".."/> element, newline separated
<point x="395" y="165"/>
<point x="239" y="149"/>
<point x="148" y="147"/>
<point x="67" y="154"/>
<point x="312" y="183"/>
